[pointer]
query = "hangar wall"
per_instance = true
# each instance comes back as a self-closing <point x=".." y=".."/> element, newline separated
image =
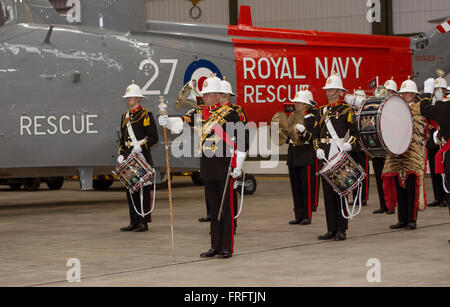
<point x="409" y="16"/>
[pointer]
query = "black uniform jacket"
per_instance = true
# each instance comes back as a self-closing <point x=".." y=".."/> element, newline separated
<point x="304" y="154"/>
<point x="341" y="116"/>
<point x="440" y="113"/>
<point x="214" y="151"/>
<point x="144" y="127"/>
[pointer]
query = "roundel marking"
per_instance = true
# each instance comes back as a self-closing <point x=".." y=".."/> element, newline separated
<point x="199" y="71"/>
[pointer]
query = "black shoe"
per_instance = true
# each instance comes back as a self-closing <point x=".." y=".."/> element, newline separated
<point x="434" y="203"/>
<point x="225" y="254"/>
<point x="210" y="253"/>
<point x="364" y="203"/>
<point x="326" y="236"/>
<point x="397" y="226"/>
<point x="305" y="222"/>
<point x="390" y="212"/>
<point x="443" y="204"/>
<point x="294" y="222"/>
<point x="313" y="209"/>
<point x="130" y="227"/>
<point x="205" y="219"/>
<point x="141" y="228"/>
<point x="340" y="236"/>
<point x="411" y="226"/>
<point x="379" y="211"/>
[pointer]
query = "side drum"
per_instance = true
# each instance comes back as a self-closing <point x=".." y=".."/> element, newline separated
<point x="343" y="173"/>
<point x="385" y="126"/>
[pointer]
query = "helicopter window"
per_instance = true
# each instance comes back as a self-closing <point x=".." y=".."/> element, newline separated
<point x="3" y="14"/>
<point x="60" y="6"/>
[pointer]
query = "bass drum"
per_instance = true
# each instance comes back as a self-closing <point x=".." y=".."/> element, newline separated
<point x="385" y="125"/>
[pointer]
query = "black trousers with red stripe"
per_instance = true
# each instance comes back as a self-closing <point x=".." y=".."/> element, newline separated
<point x="362" y="159"/>
<point x="378" y="164"/>
<point x="447" y="179"/>
<point x="406" y="200"/>
<point x="335" y="220"/>
<point x="221" y="232"/>
<point x="135" y="197"/>
<point x="303" y="186"/>
<point x="436" y="179"/>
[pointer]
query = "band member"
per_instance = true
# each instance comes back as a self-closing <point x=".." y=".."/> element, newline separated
<point x="223" y="152"/>
<point x="378" y="162"/>
<point x="440" y="87"/>
<point x="403" y="176"/>
<point x="301" y="157"/>
<point x="335" y="121"/>
<point x="138" y="134"/>
<point x="391" y="87"/>
<point x="360" y="156"/>
<point x="227" y="93"/>
<point x="438" y="112"/>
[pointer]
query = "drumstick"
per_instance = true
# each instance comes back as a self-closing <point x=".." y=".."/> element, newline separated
<point x="163" y="110"/>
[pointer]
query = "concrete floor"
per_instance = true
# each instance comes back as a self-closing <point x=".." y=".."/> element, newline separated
<point x="40" y="231"/>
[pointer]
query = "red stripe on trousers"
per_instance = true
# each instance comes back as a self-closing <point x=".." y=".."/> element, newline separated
<point x="308" y="171"/>
<point x="232" y="215"/>
<point x="316" y="200"/>
<point x="367" y="178"/>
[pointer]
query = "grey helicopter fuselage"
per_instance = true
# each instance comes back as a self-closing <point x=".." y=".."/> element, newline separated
<point x="62" y="82"/>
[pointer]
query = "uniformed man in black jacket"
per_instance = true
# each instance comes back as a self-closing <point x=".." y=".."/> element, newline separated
<point x="378" y="162"/>
<point x="341" y="117"/>
<point x="138" y="134"/>
<point x="440" y="113"/>
<point x="225" y="99"/>
<point x="221" y="149"/>
<point x="440" y="87"/>
<point x="361" y="157"/>
<point x="301" y="159"/>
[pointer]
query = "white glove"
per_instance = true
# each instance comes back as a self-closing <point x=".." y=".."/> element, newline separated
<point x="163" y="120"/>
<point x="120" y="159"/>
<point x="354" y="101"/>
<point x="347" y="147"/>
<point x="136" y="150"/>
<point x="236" y="173"/>
<point x="320" y="154"/>
<point x="174" y="124"/>
<point x="439" y="94"/>
<point x="435" y="137"/>
<point x="240" y="158"/>
<point x="349" y="99"/>
<point x="428" y="86"/>
<point x="300" y="128"/>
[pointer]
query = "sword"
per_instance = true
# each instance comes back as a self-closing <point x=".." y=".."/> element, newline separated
<point x="225" y="189"/>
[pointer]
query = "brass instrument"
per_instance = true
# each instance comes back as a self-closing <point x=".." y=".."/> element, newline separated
<point x="282" y="119"/>
<point x="296" y="117"/>
<point x="187" y="96"/>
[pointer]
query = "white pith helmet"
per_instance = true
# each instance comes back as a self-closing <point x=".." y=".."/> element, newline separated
<point x="391" y="85"/>
<point x="226" y="87"/>
<point x="133" y="90"/>
<point x="440" y="82"/>
<point x="334" y="82"/>
<point x="408" y="86"/>
<point x="211" y="85"/>
<point x="303" y="96"/>
<point x="359" y="92"/>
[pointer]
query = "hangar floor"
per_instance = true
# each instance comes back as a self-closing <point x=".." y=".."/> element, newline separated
<point x="40" y="231"/>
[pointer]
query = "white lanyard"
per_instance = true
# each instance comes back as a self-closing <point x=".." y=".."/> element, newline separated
<point x="336" y="143"/>
<point x="134" y="141"/>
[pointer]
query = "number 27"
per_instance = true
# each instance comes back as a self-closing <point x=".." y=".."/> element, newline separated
<point x="145" y="89"/>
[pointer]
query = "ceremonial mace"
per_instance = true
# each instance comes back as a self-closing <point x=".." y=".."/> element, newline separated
<point x="163" y="110"/>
